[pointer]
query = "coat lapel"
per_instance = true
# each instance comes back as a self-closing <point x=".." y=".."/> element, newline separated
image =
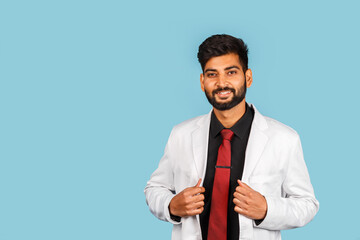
<point x="200" y="139"/>
<point x="256" y="144"/>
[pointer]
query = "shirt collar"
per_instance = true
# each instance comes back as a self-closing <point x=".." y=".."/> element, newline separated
<point x="239" y="128"/>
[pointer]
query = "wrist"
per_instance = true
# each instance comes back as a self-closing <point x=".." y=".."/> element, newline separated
<point x="174" y="217"/>
<point x="265" y="208"/>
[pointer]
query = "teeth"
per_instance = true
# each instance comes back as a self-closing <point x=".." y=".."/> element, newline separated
<point x="224" y="92"/>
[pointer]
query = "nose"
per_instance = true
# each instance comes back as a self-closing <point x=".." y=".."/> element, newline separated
<point x="222" y="81"/>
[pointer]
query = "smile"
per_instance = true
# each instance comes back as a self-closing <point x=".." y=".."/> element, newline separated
<point x="223" y="94"/>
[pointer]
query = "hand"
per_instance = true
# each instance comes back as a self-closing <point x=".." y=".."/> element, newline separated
<point x="249" y="202"/>
<point x="189" y="202"/>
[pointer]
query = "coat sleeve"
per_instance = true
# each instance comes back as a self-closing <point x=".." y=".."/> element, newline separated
<point x="298" y="205"/>
<point x="160" y="189"/>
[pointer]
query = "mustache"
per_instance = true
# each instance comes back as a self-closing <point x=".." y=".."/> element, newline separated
<point x="223" y="89"/>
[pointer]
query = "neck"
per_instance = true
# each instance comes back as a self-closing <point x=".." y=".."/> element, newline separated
<point x="229" y="117"/>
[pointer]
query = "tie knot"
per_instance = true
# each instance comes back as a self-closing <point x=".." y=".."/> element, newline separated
<point x="227" y="134"/>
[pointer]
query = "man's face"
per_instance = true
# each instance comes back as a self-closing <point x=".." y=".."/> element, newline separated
<point x="224" y="81"/>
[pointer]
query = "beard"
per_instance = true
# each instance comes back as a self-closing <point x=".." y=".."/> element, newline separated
<point x="237" y="97"/>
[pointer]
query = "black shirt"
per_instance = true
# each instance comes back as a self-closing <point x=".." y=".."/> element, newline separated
<point x="241" y="131"/>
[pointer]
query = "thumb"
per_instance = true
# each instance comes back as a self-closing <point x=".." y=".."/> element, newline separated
<point x="198" y="183"/>
<point x="242" y="184"/>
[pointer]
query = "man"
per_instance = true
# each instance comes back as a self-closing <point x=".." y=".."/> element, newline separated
<point x="233" y="173"/>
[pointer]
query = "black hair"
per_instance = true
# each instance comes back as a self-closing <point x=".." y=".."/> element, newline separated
<point x="221" y="44"/>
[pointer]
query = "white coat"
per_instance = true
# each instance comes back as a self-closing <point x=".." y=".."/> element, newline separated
<point x="274" y="166"/>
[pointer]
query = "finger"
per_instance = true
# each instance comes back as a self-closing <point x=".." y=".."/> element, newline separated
<point x="197" y="211"/>
<point x="240" y="211"/>
<point x="240" y="200"/>
<point x="201" y="189"/>
<point x="198" y="198"/>
<point x="237" y="202"/>
<point x="194" y="211"/>
<point x="196" y="190"/>
<point x="240" y="196"/>
<point x="241" y="190"/>
<point x="198" y="183"/>
<point x="242" y="184"/>
<point x="198" y="205"/>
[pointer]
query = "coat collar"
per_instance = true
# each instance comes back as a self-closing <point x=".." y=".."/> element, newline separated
<point x="200" y="142"/>
<point x="256" y="143"/>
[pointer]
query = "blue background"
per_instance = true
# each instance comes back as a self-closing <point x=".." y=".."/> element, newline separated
<point x="89" y="92"/>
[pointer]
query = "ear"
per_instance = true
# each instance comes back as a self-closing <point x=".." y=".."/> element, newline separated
<point x="249" y="78"/>
<point x="202" y="82"/>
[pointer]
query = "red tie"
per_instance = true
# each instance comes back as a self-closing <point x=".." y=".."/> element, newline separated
<point x="220" y="193"/>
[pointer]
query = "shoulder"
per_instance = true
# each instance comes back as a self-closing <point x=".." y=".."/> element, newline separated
<point x="282" y="135"/>
<point x="277" y="126"/>
<point x="274" y="129"/>
<point x="190" y="125"/>
<point x="271" y="126"/>
<point x="182" y="133"/>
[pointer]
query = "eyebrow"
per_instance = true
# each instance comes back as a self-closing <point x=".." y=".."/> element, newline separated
<point x="232" y="67"/>
<point x="227" y="68"/>
<point x="210" y="70"/>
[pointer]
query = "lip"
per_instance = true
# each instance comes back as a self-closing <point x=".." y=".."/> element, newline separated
<point x="224" y="94"/>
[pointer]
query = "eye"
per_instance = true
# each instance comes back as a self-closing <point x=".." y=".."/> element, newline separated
<point x="211" y="75"/>
<point x="232" y="72"/>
